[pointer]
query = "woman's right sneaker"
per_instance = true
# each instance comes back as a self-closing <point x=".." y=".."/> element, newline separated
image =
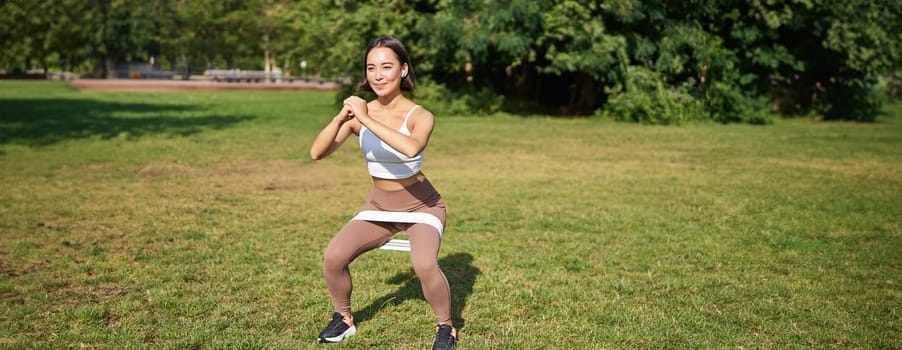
<point x="337" y="330"/>
<point x="445" y="338"/>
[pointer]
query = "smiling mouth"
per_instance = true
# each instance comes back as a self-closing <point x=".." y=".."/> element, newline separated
<point x="379" y="86"/>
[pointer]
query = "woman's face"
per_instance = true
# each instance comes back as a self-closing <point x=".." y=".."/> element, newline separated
<point x="383" y="71"/>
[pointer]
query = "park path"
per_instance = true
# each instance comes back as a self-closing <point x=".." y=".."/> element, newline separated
<point x="169" y="85"/>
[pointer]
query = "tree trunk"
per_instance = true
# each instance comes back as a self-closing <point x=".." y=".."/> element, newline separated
<point x="582" y="94"/>
<point x="266" y="64"/>
<point x="108" y="68"/>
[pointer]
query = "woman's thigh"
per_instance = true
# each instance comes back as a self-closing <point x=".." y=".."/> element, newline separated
<point x="357" y="237"/>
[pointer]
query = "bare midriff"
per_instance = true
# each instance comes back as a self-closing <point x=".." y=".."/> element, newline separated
<point x="397" y="184"/>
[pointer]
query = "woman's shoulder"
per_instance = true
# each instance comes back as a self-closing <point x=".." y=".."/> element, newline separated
<point x="418" y="113"/>
<point x="418" y="109"/>
<point x="420" y="116"/>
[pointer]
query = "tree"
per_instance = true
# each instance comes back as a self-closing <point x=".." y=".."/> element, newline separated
<point x="574" y="56"/>
<point x="576" y="41"/>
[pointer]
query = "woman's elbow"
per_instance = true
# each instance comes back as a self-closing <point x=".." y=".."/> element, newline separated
<point x="413" y="152"/>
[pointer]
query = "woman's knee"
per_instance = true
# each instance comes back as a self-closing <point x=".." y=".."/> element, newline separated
<point x="425" y="266"/>
<point x="335" y="259"/>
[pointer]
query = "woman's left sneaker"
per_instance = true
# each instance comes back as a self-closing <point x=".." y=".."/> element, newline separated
<point x="337" y="330"/>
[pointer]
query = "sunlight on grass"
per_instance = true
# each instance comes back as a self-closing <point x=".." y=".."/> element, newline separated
<point x="195" y="220"/>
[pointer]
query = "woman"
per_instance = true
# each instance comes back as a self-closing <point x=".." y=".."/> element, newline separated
<point x="393" y="132"/>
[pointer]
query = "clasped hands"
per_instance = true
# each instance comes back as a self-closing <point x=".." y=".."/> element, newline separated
<point x="353" y="106"/>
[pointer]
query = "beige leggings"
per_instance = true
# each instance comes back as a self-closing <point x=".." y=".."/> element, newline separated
<point x="358" y="237"/>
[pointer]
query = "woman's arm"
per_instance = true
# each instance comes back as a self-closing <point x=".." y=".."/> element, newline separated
<point x="420" y="129"/>
<point x="333" y="135"/>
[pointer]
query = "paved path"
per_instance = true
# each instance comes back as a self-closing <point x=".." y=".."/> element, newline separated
<point x="169" y="85"/>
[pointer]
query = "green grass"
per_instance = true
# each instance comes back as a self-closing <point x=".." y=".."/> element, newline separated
<point x="195" y="220"/>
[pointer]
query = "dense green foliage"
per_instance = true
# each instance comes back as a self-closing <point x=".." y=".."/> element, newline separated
<point x="644" y="60"/>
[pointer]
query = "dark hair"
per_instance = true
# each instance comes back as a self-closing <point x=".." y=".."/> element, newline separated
<point x="400" y="51"/>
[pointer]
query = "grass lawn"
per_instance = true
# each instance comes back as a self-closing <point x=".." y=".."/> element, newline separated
<point x="196" y="220"/>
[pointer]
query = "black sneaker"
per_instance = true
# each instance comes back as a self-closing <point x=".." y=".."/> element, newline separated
<point x="444" y="338"/>
<point x="336" y="330"/>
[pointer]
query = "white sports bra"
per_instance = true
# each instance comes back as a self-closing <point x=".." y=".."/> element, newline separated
<point x="384" y="161"/>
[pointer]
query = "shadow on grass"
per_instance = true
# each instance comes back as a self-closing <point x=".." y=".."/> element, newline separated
<point x="461" y="276"/>
<point x="43" y="122"/>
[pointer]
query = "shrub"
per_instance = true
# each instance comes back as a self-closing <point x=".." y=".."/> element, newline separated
<point x="441" y="100"/>
<point x="854" y="100"/>
<point x="727" y="104"/>
<point x="647" y="99"/>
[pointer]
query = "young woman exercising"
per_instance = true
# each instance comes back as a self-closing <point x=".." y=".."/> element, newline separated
<point x="393" y="133"/>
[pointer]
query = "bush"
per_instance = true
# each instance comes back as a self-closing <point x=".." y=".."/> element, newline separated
<point x="727" y="104"/>
<point x="854" y="100"/>
<point x="648" y="100"/>
<point x="441" y="100"/>
<point x="893" y="87"/>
